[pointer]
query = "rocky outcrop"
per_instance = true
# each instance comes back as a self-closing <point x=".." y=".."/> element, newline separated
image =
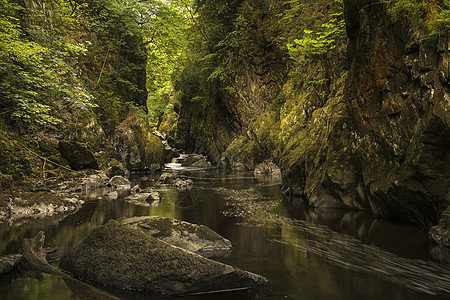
<point x="441" y="233"/>
<point x="380" y="141"/>
<point x="191" y="237"/>
<point x="166" y="178"/>
<point x="398" y="101"/>
<point x="140" y="149"/>
<point x="118" y="256"/>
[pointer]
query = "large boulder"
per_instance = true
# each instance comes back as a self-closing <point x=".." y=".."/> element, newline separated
<point x="78" y="155"/>
<point x="118" y="256"/>
<point x="191" y="237"/>
<point x="139" y="148"/>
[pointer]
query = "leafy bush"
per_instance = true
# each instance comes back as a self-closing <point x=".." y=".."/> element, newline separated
<point x="430" y="16"/>
<point x="35" y="71"/>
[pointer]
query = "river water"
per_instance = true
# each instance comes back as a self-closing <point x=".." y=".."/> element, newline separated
<point x="304" y="253"/>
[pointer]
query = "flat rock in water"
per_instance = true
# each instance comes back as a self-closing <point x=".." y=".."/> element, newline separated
<point x="145" y="199"/>
<point x="7" y="263"/>
<point x="191" y="237"/>
<point x="118" y="256"/>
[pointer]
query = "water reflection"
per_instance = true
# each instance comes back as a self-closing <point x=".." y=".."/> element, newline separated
<point x="305" y="253"/>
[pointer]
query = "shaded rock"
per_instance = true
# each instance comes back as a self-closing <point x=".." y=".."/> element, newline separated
<point x="39" y="204"/>
<point x="37" y="257"/>
<point x="139" y="148"/>
<point x="118" y="256"/>
<point x="78" y="156"/>
<point x="9" y="262"/>
<point x="166" y="178"/>
<point x="145" y="199"/>
<point x="115" y="171"/>
<point x="120" y="182"/>
<point x="441" y="232"/>
<point x="183" y="183"/>
<point x="191" y="237"/>
<point x="238" y="167"/>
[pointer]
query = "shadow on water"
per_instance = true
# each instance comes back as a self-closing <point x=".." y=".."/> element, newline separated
<point x="305" y="253"/>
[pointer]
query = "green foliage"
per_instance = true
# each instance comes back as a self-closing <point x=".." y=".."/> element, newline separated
<point x="320" y="42"/>
<point x="323" y="39"/>
<point x="35" y="72"/>
<point x="430" y="16"/>
<point x="164" y="56"/>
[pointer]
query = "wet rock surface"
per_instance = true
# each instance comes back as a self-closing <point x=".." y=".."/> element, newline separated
<point x="118" y="256"/>
<point x="38" y="205"/>
<point x="191" y="237"/>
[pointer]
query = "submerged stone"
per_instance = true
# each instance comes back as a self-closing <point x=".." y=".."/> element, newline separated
<point x="191" y="237"/>
<point x="118" y="256"/>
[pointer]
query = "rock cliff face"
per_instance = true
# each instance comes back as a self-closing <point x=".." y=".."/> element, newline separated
<point x="397" y="94"/>
<point x="378" y="141"/>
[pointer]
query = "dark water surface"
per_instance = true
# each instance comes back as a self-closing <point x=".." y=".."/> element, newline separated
<point x="304" y="253"/>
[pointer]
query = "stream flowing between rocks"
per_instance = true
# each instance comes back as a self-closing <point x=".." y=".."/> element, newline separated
<point x="304" y="253"/>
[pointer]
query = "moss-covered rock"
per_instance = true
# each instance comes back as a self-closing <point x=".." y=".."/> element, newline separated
<point x="139" y="147"/>
<point x="191" y="237"/>
<point x="118" y="256"/>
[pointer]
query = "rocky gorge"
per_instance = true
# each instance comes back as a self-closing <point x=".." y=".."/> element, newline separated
<point x="357" y="124"/>
<point x="378" y="142"/>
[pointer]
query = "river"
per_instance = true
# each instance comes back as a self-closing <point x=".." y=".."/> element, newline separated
<point x="304" y="253"/>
